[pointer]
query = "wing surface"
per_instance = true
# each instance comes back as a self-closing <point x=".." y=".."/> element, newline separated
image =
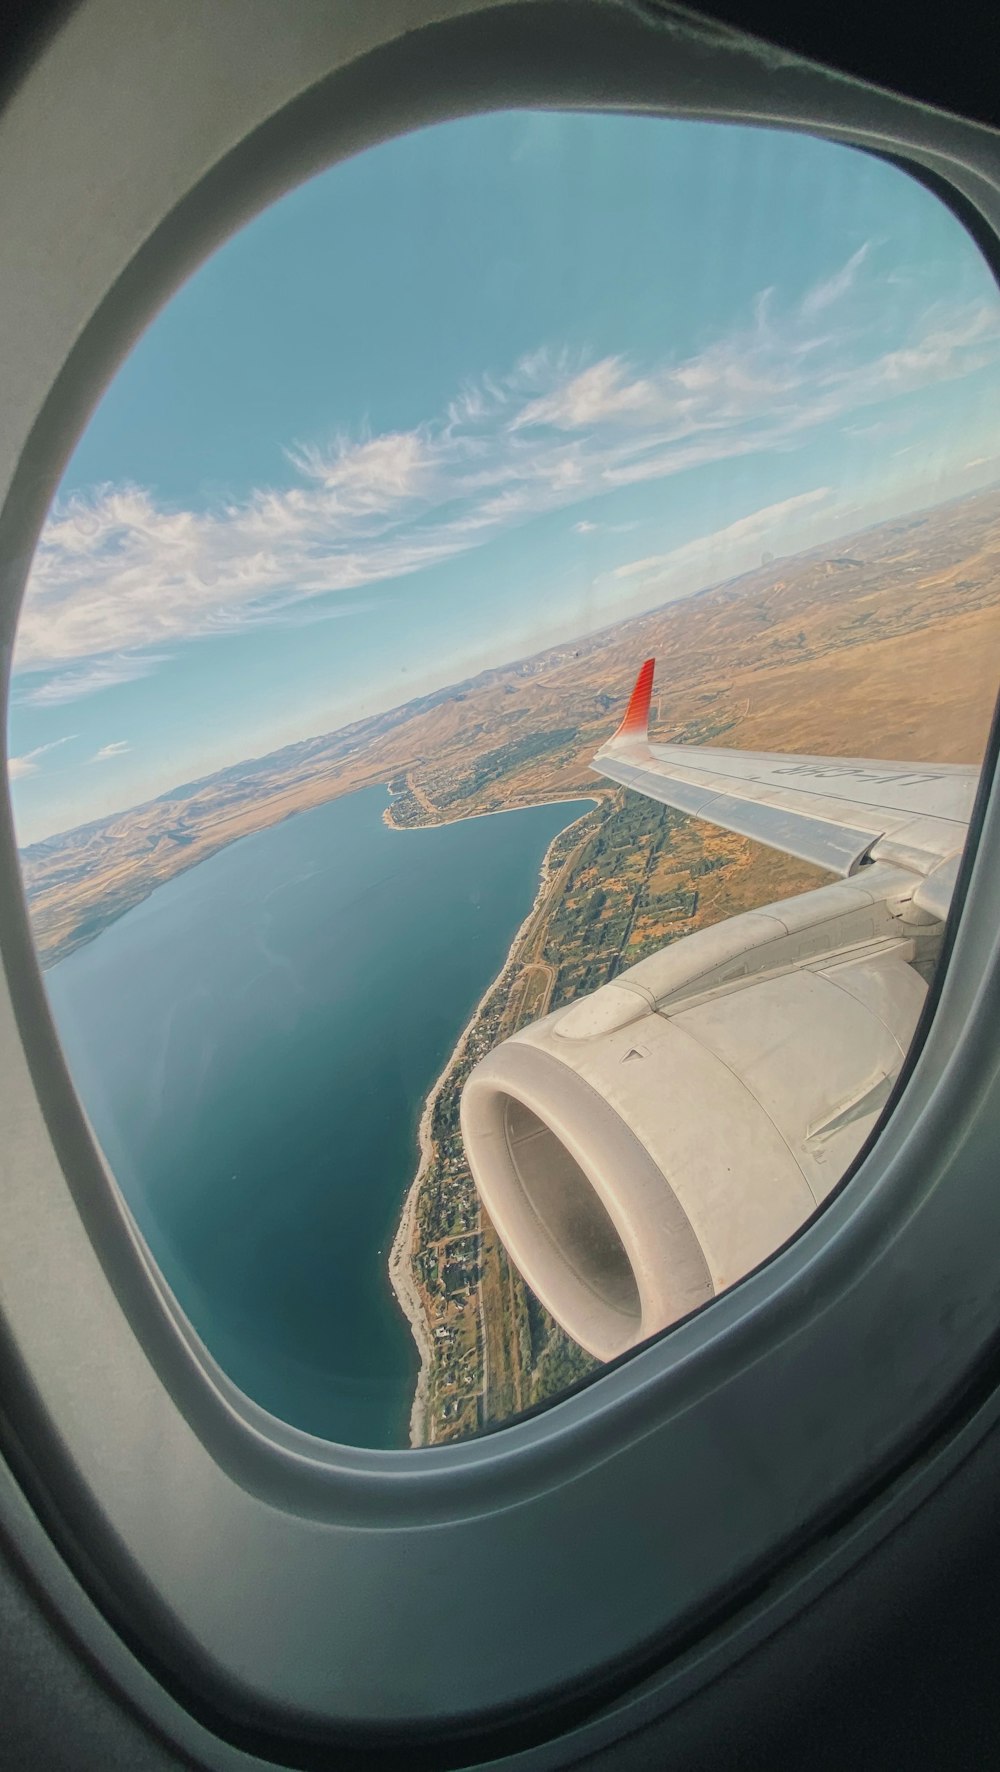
<point x="835" y="811"/>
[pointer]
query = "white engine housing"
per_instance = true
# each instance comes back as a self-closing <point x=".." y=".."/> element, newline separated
<point x="641" y="1149"/>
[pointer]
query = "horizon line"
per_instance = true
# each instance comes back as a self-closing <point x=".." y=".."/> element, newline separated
<point x="486" y="670"/>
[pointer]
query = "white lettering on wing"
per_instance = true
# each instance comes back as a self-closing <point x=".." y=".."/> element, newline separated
<point x="830" y="771"/>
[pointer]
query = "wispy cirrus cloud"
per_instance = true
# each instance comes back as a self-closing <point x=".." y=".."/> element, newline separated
<point x="28" y="763"/>
<point x="118" y="748"/>
<point x="120" y="579"/>
<point x="367" y="478"/>
<point x="831" y="290"/>
<point x="605" y="391"/>
<point x="724" y="552"/>
<point x="104" y="673"/>
<point x="587" y="527"/>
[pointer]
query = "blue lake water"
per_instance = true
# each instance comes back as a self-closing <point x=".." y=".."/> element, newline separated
<point x="254" y="1044"/>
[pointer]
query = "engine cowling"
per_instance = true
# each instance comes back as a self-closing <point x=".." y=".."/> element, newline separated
<point x="643" y="1148"/>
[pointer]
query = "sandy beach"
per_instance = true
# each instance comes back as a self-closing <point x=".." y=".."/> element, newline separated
<point x="401" y="1276"/>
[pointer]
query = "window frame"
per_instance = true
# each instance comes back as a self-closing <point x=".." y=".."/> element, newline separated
<point x="761" y="1423"/>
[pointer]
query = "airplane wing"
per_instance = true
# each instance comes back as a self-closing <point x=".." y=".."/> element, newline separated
<point x="839" y="812"/>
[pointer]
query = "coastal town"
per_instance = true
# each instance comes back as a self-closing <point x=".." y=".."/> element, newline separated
<point x="618" y="883"/>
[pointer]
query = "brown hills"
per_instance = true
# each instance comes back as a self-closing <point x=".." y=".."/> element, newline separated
<point x="888" y="646"/>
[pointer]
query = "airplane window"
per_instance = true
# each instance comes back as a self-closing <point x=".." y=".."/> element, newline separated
<point x="496" y="714"/>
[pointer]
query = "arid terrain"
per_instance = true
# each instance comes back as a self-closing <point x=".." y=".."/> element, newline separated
<point x="900" y="676"/>
<point x="886" y="646"/>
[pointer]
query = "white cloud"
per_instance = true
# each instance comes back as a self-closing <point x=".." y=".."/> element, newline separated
<point x="725" y="551"/>
<point x="832" y="289"/>
<point x="28" y="764"/>
<point x="370" y="476"/>
<point x="119" y="580"/>
<point x="585" y="528"/>
<point x="107" y="751"/>
<point x="105" y="674"/>
<point x="604" y="391"/>
<point x="882" y="427"/>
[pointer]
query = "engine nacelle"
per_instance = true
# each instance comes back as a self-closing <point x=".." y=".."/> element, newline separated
<point x="641" y="1149"/>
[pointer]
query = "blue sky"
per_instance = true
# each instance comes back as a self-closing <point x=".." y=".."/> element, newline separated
<point x="483" y="388"/>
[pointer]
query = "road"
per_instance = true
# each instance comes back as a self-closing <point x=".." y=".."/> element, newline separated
<point x="421" y="798"/>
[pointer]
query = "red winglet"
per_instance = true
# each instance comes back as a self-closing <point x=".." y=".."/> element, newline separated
<point x="636" y="721"/>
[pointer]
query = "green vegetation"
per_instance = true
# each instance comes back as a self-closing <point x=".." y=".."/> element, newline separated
<point x="492" y="765"/>
<point x="590" y="929"/>
<point x="557" y="1362"/>
<point x="615" y="895"/>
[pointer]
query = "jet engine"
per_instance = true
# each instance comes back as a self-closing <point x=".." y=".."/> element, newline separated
<point x="642" y="1148"/>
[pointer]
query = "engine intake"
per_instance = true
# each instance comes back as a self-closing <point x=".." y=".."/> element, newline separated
<point x="640" y="1150"/>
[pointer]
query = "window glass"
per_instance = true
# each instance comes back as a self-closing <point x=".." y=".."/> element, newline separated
<point x="425" y="1113"/>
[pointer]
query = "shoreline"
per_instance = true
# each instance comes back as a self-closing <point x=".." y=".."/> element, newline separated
<point x="401" y="1280"/>
<point x="437" y="824"/>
